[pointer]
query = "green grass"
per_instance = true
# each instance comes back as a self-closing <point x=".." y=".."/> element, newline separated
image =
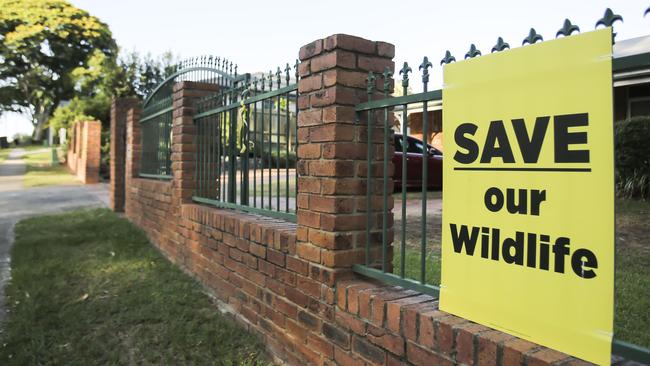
<point x="416" y="194"/>
<point x="412" y="265"/>
<point x="3" y="154"/>
<point x="632" y="276"/>
<point x="88" y="289"/>
<point x="41" y="172"/>
<point x="632" y="281"/>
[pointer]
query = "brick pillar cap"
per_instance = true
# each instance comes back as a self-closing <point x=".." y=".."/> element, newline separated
<point x="349" y="43"/>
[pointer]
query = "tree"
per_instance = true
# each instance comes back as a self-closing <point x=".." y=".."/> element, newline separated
<point x="44" y="46"/>
<point x="143" y="73"/>
<point x="104" y="78"/>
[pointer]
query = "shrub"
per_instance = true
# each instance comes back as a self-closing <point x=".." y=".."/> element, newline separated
<point x="23" y="139"/>
<point x="632" y="157"/>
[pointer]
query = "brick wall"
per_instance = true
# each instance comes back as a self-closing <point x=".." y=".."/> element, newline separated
<point x="119" y="109"/>
<point x="292" y="284"/>
<point x="84" y="151"/>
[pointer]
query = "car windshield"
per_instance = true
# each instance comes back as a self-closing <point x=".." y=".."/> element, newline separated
<point x="414" y="146"/>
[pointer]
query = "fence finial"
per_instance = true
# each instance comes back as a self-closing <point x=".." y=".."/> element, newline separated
<point x="296" y="67"/>
<point x="448" y="58"/>
<point x="287" y="76"/>
<point x="533" y="37"/>
<point x="424" y="66"/>
<point x="405" y="76"/>
<point x="608" y="20"/>
<point x="473" y="52"/>
<point x="500" y="46"/>
<point x="567" y="29"/>
<point x="370" y="82"/>
<point x="270" y="78"/>
<point x="387" y="75"/>
<point x="247" y="88"/>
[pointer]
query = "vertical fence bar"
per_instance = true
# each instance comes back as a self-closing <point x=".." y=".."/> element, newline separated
<point x="222" y="152"/>
<point x="369" y="212"/>
<point x="219" y="153"/>
<point x="232" y="168"/>
<point x="213" y="159"/>
<point x="295" y="134"/>
<point x="286" y="133"/>
<point x="255" y="137"/>
<point x="425" y="171"/>
<point x="199" y="127"/>
<point x="270" y="164"/>
<point x="168" y="134"/>
<point x="197" y="191"/>
<point x="405" y="83"/>
<point x="384" y="224"/>
<point x="262" y="151"/>
<point x="277" y="147"/>
<point x="246" y="142"/>
<point x="200" y="140"/>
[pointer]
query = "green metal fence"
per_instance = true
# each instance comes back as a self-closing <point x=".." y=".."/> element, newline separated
<point x="246" y="145"/>
<point x="155" y="131"/>
<point x="157" y="109"/>
<point x="380" y="113"/>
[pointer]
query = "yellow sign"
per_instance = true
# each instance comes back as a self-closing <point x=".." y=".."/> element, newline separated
<point x="528" y="209"/>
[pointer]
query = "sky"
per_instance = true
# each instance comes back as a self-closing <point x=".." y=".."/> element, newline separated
<point x="262" y="35"/>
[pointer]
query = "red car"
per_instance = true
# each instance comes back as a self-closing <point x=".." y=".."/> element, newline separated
<point x="414" y="155"/>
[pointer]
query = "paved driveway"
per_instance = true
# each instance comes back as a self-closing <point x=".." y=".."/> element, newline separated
<point x="17" y="203"/>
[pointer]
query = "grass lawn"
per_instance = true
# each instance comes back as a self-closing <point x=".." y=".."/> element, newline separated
<point x="632" y="277"/>
<point x="41" y="172"/>
<point x="88" y="289"/>
<point x="3" y="154"/>
<point x="632" y="281"/>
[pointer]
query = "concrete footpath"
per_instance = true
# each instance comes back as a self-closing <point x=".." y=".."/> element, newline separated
<point x="17" y="203"/>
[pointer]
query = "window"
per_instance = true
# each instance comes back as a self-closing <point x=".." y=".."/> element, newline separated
<point x="638" y="107"/>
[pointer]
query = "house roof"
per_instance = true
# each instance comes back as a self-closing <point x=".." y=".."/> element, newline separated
<point x="631" y="61"/>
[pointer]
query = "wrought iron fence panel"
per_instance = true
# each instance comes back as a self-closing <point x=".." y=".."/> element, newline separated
<point x="246" y="145"/>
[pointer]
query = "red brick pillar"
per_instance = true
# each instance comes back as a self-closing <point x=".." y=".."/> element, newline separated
<point x="332" y="148"/>
<point x="119" y="110"/>
<point x="183" y="133"/>
<point x="133" y="154"/>
<point x="90" y="154"/>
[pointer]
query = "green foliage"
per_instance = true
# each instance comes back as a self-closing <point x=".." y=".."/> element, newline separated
<point x="141" y="74"/>
<point x="50" y="50"/>
<point x="22" y="139"/>
<point x="633" y="157"/>
<point x="66" y="116"/>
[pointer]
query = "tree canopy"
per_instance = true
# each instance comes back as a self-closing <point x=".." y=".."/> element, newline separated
<point x="50" y="51"/>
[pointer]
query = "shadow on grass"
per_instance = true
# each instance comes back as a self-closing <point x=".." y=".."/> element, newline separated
<point x="88" y="289"/>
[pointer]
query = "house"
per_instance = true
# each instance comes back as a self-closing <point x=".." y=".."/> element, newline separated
<point x="631" y="82"/>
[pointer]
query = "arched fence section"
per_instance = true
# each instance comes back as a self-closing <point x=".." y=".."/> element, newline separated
<point x="157" y="109"/>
